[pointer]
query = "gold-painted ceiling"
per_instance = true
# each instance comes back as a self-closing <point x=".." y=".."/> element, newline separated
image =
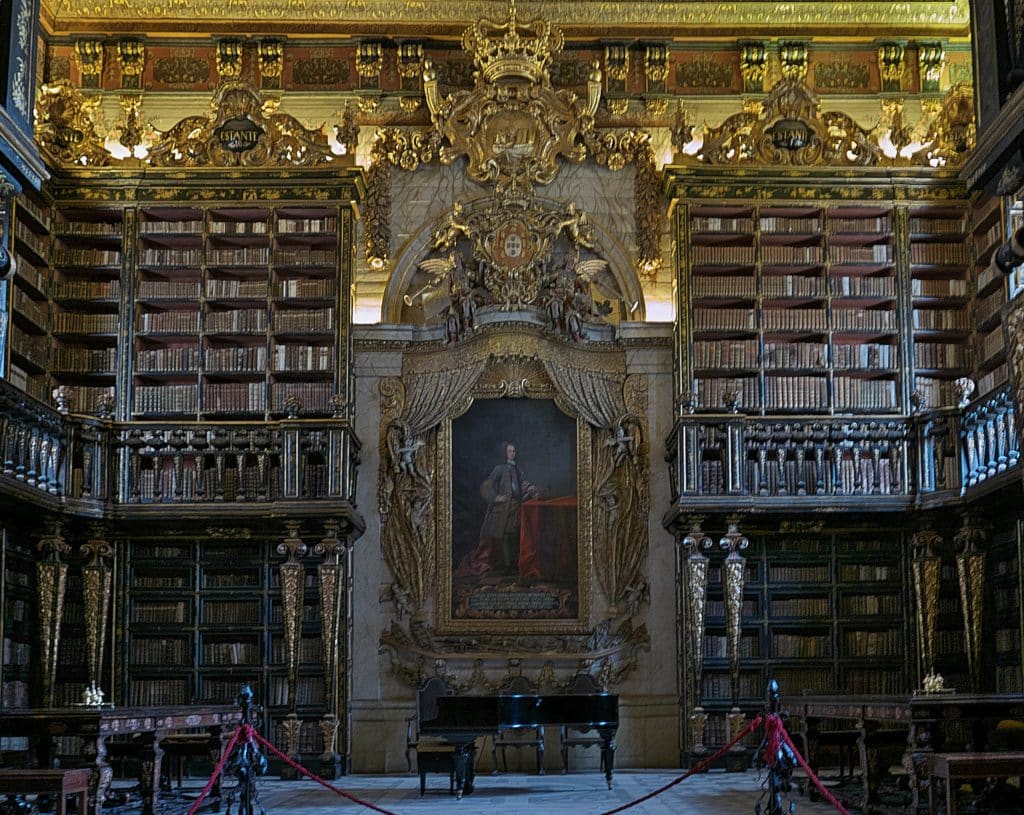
<point x="602" y="18"/>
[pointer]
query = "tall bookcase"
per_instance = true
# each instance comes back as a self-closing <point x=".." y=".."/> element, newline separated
<point x="988" y="232"/>
<point x="201" y="620"/>
<point x="236" y="311"/>
<point x="18" y="631"/>
<point x="1004" y="613"/>
<point x="940" y="261"/>
<point x="30" y="309"/>
<point x="794" y="308"/>
<point x="822" y="611"/>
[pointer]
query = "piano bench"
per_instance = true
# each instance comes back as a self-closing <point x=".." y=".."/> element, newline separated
<point x="439" y="759"/>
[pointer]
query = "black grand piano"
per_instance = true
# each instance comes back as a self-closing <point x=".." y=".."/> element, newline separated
<point x="462" y="719"/>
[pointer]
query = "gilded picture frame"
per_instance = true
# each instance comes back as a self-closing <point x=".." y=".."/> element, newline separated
<point x="485" y="600"/>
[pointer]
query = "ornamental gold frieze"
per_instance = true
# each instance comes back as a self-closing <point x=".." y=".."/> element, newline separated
<point x="66" y="128"/>
<point x="413" y="16"/>
<point x="242" y="130"/>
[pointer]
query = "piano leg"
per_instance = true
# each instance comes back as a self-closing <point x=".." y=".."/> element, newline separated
<point x="607" y="753"/>
<point x="465" y="771"/>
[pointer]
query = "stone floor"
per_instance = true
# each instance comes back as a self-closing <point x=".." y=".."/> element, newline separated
<point x="715" y="793"/>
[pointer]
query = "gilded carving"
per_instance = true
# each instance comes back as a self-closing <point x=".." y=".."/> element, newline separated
<point x="320" y="69"/>
<point x="970" y="568"/>
<point x="570" y="72"/>
<point x="789" y="129"/>
<point x="131" y="131"/>
<point x="891" y="66"/>
<point x="181" y="69"/>
<point x="66" y="126"/>
<point x="88" y="56"/>
<point x="369" y="60"/>
<point x="131" y="55"/>
<point x="694" y="585"/>
<point x="293" y="583"/>
<point x="655" y="67"/>
<point x="926" y="565"/>
<point x="51" y="575"/>
<point x="656" y="107"/>
<point x="704" y="74"/>
<point x="242" y="130"/>
<point x="415" y="503"/>
<point x="843" y="76"/>
<point x="616" y="63"/>
<point x="1013" y="331"/>
<point x="721" y="17"/>
<point x="270" y="54"/>
<point x="753" y="66"/>
<point x="229" y="59"/>
<point x="793" y="59"/>
<point x="733" y="542"/>
<point x="931" y="58"/>
<point x="950" y="133"/>
<point x="410" y="60"/>
<point x="96" y="589"/>
<point x="513" y="126"/>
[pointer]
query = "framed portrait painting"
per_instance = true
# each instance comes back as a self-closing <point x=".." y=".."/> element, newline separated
<point x="515" y="533"/>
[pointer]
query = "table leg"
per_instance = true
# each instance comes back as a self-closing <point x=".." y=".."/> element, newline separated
<point x="149" y="770"/>
<point x="94" y="747"/>
<point x="218" y="740"/>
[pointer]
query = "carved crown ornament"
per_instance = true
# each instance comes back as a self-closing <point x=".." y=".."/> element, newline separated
<point x="789" y="128"/>
<point x="514" y="129"/>
<point x="242" y="129"/>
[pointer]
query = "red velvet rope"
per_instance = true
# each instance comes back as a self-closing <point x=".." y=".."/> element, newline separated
<point x="217" y="770"/>
<point x="776" y="734"/>
<point x="295" y="765"/>
<point x="698" y="768"/>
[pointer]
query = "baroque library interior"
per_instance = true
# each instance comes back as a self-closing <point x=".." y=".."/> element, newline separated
<point x="618" y="357"/>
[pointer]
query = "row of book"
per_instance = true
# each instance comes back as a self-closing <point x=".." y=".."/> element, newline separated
<point x="873" y="681"/>
<point x="937" y="226"/>
<point x="163" y="651"/>
<point x="234" y="397"/>
<point x="794" y="319"/>
<point x="31" y="274"/>
<point x="157" y="692"/>
<point x="884" y="643"/>
<point x="327" y="223"/>
<point x="30" y="239"/>
<point x="719" y="685"/>
<point x="779" y="224"/>
<point x="801" y="646"/>
<point x="866" y="572"/>
<point x="71" y="322"/>
<point x="160" y="611"/>
<point x="179" y="358"/>
<point x="932" y="287"/>
<point x="238" y="227"/>
<point x="311" y="651"/>
<point x="711" y="393"/>
<point x="180" y="227"/>
<point x="940" y="355"/>
<point x="799" y="607"/>
<point x="170" y="289"/>
<point x="985" y="308"/>
<point x="242" y="358"/>
<point x="160" y="580"/>
<point x="799" y="223"/>
<point x="941" y="319"/>
<point x="995" y="234"/>
<point x="939" y="254"/>
<point x="13" y="694"/>
<point x="794" y="355"/>
<point x="89" y="229"/>
<point x="86" y="290"/>
<point x="231" y="580"/>
<point x="782" y="255"/>
<point x="804" y="573"/>
<point x="225" y="612"/>
<point x="303" y="358"/>
<point x="232" y="653"/>
<point x="792" y="286"/>
<point x="725" y="286"/>
<point x="996" y="376"/>
<point x="29" y="346"/>
<point x="867" y="356"/>
<point x="873" y="394"/>
<point x="15" y="653"/>
<point x="869" y="605"/>
<point x="716" y="646"/>
<point x="725" y="354"/>
<point x="309" y="690"/>
<point x="795" y="392"/>
<point x="88" y="258"/>
<point x="83" y="359"/>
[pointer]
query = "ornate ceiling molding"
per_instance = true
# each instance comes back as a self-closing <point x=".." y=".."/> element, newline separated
<point x="595" y="16"/>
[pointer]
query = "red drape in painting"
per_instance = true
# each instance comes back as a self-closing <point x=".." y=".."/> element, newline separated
<point x="547" y="539"/>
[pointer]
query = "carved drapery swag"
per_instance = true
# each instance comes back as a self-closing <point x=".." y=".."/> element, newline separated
<point x="601" y="394"/>
<point x="412" y="410"/>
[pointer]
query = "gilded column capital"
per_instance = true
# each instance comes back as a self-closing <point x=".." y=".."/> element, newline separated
<point x="270" y="53"/>
<point x="131" y="56"/>
<point x="656" y="67"/>
<point x="616" y="63"/>
<point x="88" y="56"/>
<point x="369" y="59"/>
<point x="931" y="58"/>
<point x="793" y="57"/>
<point x="891" y="66"/>
<point x="753" y="65"/>
<point x="410" y="60"/>
<point x="229" y="59"/>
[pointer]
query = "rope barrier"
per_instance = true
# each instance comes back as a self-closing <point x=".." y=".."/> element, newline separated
<point x="698" y="768"/>
<point x="775" y="737"/>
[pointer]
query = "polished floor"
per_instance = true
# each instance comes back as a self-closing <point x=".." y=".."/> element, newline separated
<point x="715" y="793"/>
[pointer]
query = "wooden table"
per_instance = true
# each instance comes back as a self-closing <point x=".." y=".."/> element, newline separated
<point x="922" y="721"/>
<point x="95" y="725"/>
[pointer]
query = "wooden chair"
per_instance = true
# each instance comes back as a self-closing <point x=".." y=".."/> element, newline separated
<point x="520" y="737"/>
<point x="570" y="737"/>
<point x="426" y="709"/>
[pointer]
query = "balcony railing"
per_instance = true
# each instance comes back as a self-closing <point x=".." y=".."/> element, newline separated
<point x="929" y="455"/>
<point x="84" y="458"/>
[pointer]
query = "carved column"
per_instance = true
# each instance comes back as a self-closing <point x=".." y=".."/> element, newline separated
<point x="695" y="588"/>
<point x="926" y="568"/>
<point x="96" y="586"/>
<point x="293" y="579"/>
<point x="52" y="579"/>
<point x="733" y="581"/>
<point x="970" y="568"/>
<point x="332" y="576"/>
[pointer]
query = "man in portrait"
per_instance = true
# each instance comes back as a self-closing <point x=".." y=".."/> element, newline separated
<point x="505" y="489"/>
